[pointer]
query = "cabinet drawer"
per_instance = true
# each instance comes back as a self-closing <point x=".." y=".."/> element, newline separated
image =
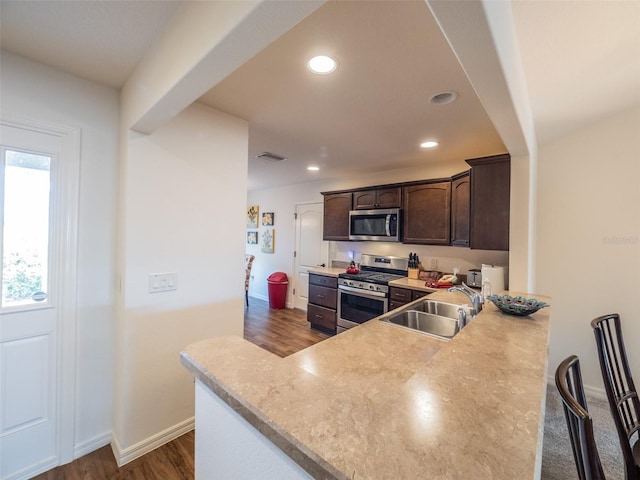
<point x="323" y="296"/>
<point x="321" y="317"/>
<point x="323" y="280"/>
<point x="416" y="294"/>
<point x="400" y="294"/>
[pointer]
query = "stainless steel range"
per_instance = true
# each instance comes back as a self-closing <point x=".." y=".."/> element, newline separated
<point x="365" y="295"/>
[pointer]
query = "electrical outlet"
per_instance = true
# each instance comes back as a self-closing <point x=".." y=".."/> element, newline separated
<point x="433" y="263"/>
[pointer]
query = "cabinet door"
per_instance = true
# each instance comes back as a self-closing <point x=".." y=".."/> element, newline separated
<point x="389" y="198"/>
<point x="416" y="294"/>
<point x="393" y="304"/>
<point x="336" y="216"/>
<point x="460" y="208"/>
<point x="380" y="198"/>
<point x="364" y="200"/>
<point x="427" y="213"/>
<point x="490" y="190"/>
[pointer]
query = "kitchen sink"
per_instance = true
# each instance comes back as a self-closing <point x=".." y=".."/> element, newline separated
<point x="440" y="309"/>
<point x="431" y="317"/>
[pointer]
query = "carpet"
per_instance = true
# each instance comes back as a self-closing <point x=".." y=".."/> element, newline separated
<point x="557" y="457"/>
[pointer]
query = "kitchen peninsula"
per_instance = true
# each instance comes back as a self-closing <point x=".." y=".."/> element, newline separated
<point x="380" y="401"/>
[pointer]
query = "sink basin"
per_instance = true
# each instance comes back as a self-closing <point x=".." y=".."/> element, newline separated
<point x="438" y="319"/>
<point x="424" y="322"/>
<point x="434" y="307"/>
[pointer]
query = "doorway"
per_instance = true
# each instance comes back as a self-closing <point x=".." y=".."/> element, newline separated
<point x="311" y="251"/>
<point x="39" y="168"/>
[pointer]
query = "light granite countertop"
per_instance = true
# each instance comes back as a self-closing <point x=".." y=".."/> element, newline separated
<point x="327" y="271"/>
<point x="413" y="284"/>
<point x="380" y="401"/>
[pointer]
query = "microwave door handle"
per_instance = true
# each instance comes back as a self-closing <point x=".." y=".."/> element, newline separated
<point x="387" y="225"/>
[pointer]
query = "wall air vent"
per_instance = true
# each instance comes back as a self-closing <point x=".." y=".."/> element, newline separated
<point x="270" y="156"/>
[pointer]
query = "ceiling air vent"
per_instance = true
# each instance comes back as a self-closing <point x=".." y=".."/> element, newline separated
<point x="270" y="156"/>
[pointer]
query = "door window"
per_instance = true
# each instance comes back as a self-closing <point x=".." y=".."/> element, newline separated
<point x="25" y="228"/>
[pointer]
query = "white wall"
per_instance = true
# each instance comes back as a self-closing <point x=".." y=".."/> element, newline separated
<point x="32" y="90"/>
<point x="589" y="236"/>
<point x="282" y="200"/>
<point x="183" y="211"/>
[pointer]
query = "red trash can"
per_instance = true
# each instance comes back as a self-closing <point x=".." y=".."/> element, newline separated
<point x="278" y="283"/>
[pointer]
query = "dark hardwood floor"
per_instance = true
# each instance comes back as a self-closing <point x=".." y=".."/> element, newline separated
<point x="171" y="461"/>
<point x="281" y="332"/>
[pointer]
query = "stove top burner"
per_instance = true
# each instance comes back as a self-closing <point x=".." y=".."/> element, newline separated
<point x="371" y="277"/>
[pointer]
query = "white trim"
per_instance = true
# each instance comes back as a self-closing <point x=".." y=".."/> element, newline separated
<point x="266" y="299"/>
<point x="92" y="445"/>
<point x="124" y="456"/>
<point x="259" y="297"/>
<point x="595" y="392"/>
<point x="67" y="174"/>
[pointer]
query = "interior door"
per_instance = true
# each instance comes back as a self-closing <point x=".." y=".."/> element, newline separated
<point x="31" y="242"/>
<point x="311" y="250"/>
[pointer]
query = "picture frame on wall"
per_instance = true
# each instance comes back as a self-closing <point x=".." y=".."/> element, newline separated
<point x="252" y="238"/>
<point x="253" y="212"/>
<point x="268" y="240"/>
<point x="268" y="219"/>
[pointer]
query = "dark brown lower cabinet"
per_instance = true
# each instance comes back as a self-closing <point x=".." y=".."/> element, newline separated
<point x="323" y="302"/>
<point x="401" y="296"/>
<point x="322" y="317"/>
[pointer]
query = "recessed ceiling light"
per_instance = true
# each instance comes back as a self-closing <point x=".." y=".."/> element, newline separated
<point x="322" y="65"/>
<point x="443" y="98"/>
<point x="429" y="144"/>
<point x="313" y="168"/>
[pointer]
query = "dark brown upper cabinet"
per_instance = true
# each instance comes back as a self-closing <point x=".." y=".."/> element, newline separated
<point x="470" y="209"/>
<point x="378" y="198"/>
<point x="427" y="213"/>
<point x="336" y="216"/>
<point x="490" y="192"/>
<point x="460" y="209"/>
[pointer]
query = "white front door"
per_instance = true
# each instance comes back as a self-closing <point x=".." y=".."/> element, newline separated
<point x="36" y="427"/>
<point x="311" y="250"/>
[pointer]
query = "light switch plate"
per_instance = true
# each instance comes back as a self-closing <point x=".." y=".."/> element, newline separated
<point x="163" y="282"/>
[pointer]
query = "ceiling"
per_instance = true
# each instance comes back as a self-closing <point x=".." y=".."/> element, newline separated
<point x="581" y="62"/>
<point x="372" y="113"/>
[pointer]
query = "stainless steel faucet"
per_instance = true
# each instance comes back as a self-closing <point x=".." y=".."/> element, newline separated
<point x="475" y="297"/>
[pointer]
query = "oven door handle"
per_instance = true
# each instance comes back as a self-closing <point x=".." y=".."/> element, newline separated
<point x="362" y="293"/>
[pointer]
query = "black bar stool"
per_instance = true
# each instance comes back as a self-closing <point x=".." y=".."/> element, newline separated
<point x="621" y="391"/>
<point x="585" y="452"/>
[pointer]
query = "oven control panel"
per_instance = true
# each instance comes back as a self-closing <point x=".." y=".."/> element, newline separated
<point x="367" y="286"/>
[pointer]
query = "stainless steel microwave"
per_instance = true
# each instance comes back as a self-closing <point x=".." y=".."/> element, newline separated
<point x="379" y="225"/>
